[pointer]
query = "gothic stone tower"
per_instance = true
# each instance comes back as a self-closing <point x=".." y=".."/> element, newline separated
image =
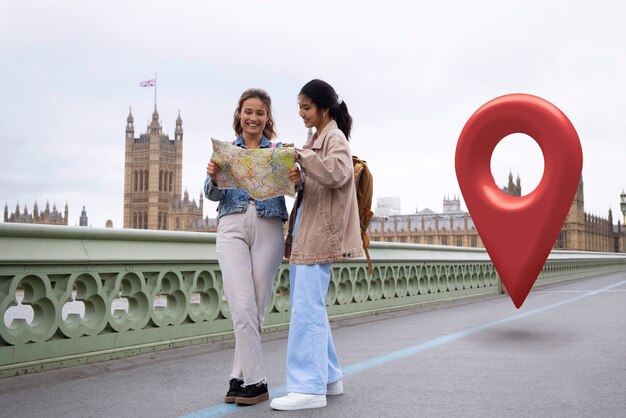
<point x="152" y="174"/>
<point x="573" y="231"/>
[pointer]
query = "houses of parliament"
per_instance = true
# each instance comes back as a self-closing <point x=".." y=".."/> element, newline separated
<point x="153" y="193"/>
<point x="580" y="232"/>
<point x="153" y="166"/>
<point x="154" y="199"/>
<point x="47" y="216"/>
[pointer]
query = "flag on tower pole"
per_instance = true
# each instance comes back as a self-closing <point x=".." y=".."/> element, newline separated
<point x="151" y="83"/>
<point x="148" y="83"/>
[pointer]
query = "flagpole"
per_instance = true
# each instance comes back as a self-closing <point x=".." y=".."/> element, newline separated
<point x="155" y="90"/>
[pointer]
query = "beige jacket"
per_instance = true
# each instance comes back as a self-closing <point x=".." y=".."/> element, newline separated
<point x="328" y="228"/>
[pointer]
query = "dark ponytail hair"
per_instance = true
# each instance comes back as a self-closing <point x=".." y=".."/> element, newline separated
<point x="324" y="96"/>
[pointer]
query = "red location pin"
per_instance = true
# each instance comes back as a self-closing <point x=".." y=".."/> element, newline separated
<point x="519" y="232"/>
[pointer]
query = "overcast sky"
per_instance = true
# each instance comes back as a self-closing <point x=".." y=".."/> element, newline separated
<point x="411" y="73"/>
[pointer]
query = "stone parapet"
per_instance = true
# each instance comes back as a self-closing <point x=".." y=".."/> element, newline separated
<point x="71" y="295"/>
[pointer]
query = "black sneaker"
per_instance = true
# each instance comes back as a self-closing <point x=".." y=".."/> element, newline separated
<point x="253" y="394"/>
<point x="235" y="389"/>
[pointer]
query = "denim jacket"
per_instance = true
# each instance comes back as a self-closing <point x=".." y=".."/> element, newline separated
<point x="236" y="200"/>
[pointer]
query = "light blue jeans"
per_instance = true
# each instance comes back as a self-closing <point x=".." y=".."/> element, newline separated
<point x="311" y="357"/>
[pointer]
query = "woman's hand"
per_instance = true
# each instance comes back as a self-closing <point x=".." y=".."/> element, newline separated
<point x="212" y="169"/>
<point x="295" y="176"/>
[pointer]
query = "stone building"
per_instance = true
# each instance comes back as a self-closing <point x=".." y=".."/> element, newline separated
<point x="581" y="231"/>
<point x="387" y="206"/>
<point x="47" y="216"/>
<point x="186" y="215"/>
<point x="513" y="189"/>
<point x="153" y="197"/>
<point x="450" y="227"/>
<point x="585" y="232"/>
<point x="84" y="220"/>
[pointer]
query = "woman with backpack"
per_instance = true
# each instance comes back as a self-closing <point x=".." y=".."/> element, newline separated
<point x="250" y="245"/>
<point x="323" y="227"/>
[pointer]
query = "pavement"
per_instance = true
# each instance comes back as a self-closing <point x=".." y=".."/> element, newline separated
<point x="562" y="354"/>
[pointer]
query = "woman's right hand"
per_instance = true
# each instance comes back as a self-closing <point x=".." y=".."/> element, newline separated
<point x="212" y="169"/>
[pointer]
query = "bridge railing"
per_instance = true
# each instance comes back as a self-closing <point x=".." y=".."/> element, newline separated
<point x="71" y="295"/>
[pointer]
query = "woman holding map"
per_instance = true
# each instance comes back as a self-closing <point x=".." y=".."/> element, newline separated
<point x="323" y="227"/>
<point x="250" y="245"/>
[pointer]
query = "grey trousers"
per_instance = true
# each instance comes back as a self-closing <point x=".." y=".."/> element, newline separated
<point x="249" y="252"/>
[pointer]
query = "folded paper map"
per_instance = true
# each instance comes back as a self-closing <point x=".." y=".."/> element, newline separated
<point x="263" y="172"/>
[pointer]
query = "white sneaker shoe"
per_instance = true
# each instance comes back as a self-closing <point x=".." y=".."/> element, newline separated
<point x="294" y="401"/>
<point x="335" y="388"/>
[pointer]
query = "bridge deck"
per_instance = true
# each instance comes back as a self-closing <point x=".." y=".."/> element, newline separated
<point x="563" y="354"/>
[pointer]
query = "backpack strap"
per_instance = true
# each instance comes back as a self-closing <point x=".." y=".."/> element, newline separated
<point x="366" y="243"/>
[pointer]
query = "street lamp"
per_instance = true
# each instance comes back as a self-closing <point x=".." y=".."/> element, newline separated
<point x="622" y="205"/>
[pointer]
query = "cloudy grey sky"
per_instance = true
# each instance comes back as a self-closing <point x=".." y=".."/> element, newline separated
<point x="411" y="72"/>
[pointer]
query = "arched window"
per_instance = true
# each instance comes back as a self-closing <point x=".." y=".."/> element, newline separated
<point x="561" y="241"/>
<point x="165" y="175"/>
<point x="171" y="175"/>
<point x="135" y="179"/>
<point x="135" y="216"/>
<point x="146" y="180"/>
<point x="178" y="224"/>
<point x="145" y="220"/>
<point x="160" y="214"/>
<point x="141" y="180"/>
<point x="140" y="220"/>
<point x="161" y="180"/>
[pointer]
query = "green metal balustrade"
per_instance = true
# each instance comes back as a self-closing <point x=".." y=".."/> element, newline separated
<point x="71" y="295"/>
